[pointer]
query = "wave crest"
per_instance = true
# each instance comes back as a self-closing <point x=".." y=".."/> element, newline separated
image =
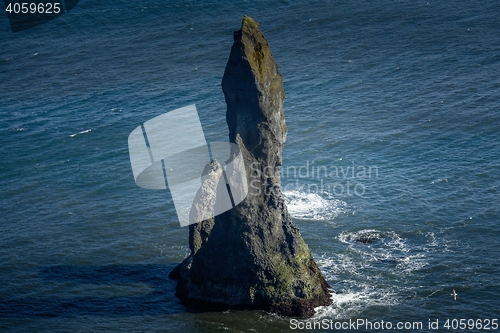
<point x="313" y="206"/>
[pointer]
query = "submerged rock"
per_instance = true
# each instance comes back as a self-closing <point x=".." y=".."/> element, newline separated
<point x="366" y="240"/>
<point x="253" y="256"/>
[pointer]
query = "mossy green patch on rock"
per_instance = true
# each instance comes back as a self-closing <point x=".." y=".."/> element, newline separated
<point x="259" y="55"/>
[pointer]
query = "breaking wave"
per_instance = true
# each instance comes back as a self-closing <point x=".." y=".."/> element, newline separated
<point x="371" y="269"/>
<point x="82" y="132"/>
<point x="313" y="206"/>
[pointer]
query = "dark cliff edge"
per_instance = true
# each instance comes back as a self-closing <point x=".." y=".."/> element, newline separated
<point x="253" y="256"/>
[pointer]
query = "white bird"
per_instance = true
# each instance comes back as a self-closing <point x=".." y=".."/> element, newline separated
<point x="454" y="295"/>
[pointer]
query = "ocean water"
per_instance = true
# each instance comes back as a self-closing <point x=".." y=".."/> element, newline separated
<point x="391" y="166"/>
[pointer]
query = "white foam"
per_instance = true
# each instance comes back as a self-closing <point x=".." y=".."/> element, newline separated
<point x="349" y="237"/>
<point x="313" y="206"/>
<point x="367" y="274"/>
<point x="82" y="132"/>
<point x="348" y="304"/>
<point x="444" y="180"/>
<point x="387" y="247"/>
<point x="370" y="268"/>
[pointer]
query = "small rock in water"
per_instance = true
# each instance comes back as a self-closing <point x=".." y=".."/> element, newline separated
<point x="366" y="240"/>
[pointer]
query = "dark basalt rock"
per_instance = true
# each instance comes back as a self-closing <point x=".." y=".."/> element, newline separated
<point x="366" y="240"/>
<point x="253" y="256"/>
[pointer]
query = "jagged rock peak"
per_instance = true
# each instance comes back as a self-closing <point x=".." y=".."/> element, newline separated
<point x="253" y="87"/>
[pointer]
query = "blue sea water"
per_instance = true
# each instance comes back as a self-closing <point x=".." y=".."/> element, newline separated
<point x="393" y="113"/>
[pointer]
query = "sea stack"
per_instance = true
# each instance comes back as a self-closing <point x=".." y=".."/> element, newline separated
<point x="253" y="256"/>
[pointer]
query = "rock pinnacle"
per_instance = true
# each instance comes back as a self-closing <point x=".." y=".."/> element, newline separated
<point x="253" y="256"/>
